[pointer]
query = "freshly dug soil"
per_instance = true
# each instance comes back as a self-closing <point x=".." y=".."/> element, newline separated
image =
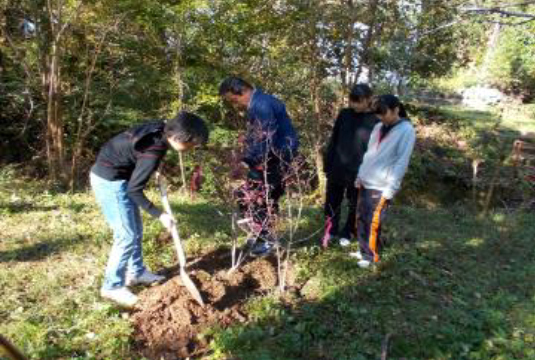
<point x="169" y="320"/>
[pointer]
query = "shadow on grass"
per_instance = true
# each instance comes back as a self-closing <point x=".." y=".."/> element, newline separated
<point x="202" y="220"/>
<point x="22" y="207"/>
<point x="456" y="287"/>
<point x="40" y="250"/>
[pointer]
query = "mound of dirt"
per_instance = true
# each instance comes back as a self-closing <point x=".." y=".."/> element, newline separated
<point x="169" y="320"/>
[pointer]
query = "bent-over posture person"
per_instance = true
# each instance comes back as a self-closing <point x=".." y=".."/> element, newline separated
<point x="270" y="145"/>
<point x="123" y="167"/>
<point x="380" y="175"/>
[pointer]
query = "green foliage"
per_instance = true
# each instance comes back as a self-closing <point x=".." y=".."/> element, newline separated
<point x="443" y="291"/>
<point x="122" y="62"/>
<point x="458" y="286"/>
<point x="513" y="61"/>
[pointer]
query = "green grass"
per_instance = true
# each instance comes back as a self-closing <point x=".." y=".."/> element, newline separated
<point x="451" y="285"/>
<point x="517" y="119"/>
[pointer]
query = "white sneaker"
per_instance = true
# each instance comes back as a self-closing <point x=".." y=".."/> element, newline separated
<point x="146" y="278"/>
<point x="357" y="254"/>
<point x="344" y="242"/>
<point x="364" y="264"/>
<point x="121" y="296"/>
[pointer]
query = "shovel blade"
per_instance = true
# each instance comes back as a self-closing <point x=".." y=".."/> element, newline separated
<point x="190" y="285"/>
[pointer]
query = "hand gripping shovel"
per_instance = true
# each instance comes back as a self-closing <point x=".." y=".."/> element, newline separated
<point x="186" y="280"/>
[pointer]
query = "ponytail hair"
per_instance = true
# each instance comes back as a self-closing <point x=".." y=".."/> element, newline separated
<point x="384" y="103"/>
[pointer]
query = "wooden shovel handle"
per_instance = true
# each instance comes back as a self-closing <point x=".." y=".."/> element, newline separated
<point x="174" y="231"/>
<point x="10" y="349"/>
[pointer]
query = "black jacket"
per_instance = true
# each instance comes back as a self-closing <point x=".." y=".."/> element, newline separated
<point x="134" y="155"/>
<point x="348" y="144"/>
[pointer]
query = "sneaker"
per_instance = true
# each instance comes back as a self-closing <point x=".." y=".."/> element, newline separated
<point x="146" y="278"/>
<point x="344" y="242"/>
<point x="121" y="296"/>
<point x="364" y="264"/>
<point x="357" y="254"/>
<point x="262" y="248"/>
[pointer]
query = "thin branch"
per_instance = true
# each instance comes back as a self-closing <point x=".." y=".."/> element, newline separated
<point x="519" y="4"/>
<point x="498" y="11"/>
<point x="26" y="68"/>
<point x="68" y="22"/>
<point x="509" y="23"/>
<point x="384" y="347"/>
<point x="432" y="31"/>
<point x="91" y="71"/>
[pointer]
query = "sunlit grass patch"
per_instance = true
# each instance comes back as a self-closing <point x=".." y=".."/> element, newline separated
<point x="451" y="284"/>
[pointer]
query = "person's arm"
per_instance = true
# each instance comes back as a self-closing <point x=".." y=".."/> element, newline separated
<point x="146" y="164"/>
<point x="396" y="174"/>
<point x="373" y="140"/>
<point x="331" y="146"/>
<point x="260" y="136"/>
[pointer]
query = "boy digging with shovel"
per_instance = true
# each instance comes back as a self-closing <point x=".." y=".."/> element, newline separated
<point x="118" y="177"/>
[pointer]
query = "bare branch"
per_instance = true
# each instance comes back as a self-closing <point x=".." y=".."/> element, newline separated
<point x="509" y="23"/>
<point x="517" y="4"/>
<point x="26" y="68"/>
<point x="498" y="11"/>
<point x="66" y="24"/>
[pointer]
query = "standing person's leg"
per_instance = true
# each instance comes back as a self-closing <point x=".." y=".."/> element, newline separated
<point x="276" y="185"/>
<point x="273" y="189"/>
<point x="135" y="263"/>
<point x="333" y="201"/>
<point x="369" y="225"/>
<point x="120" y="216"/>
<point x="364" y="219"/>
<point x="352" y="195"/>
<point x="137" y="273"/>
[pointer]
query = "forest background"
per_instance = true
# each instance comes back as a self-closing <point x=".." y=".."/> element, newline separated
<point x="456" y="281"/>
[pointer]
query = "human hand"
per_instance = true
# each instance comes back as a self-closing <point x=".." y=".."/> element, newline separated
<point x="358" y="183"/>
<point x="167" y="221"/>
<point x="255" y="174"/>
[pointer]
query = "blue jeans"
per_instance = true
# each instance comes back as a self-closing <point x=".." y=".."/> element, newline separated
<point x="124" y="218"/>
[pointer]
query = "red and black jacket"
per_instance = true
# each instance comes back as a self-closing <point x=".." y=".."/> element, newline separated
<point x="134" y="155"/>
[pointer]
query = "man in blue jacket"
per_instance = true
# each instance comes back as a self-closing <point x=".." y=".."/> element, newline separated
<point x="270" y="145"/>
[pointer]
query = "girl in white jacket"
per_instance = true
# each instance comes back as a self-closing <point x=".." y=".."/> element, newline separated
<point x="379" y="178"/>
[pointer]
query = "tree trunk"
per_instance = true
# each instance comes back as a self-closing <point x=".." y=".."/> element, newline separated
<point x="365" y="52"/>
<point x="318" y="153"/>
<point x="347" y="65"/>
<point x="492" y="44"/>
<point x="54" y="131"/>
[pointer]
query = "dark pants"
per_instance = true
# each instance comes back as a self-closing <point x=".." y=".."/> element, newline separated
<point x="371" y="214"/>
<point x="336" y="191"/>
<point x="258" y="197"/>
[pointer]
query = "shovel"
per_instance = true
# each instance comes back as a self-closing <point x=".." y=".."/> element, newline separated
<point x="186" y="280"/>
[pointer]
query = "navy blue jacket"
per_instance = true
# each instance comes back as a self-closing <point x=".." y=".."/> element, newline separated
<point x="269" y="130"/>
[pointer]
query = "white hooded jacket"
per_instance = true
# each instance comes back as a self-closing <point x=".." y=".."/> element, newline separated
<point x="386" y="161"/>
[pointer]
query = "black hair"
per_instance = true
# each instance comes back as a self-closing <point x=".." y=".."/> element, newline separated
<point x="187" y="127"/>
<point x="360" y="92"/>
<point x="233" y="85"/>
<point x="384" y="102"/>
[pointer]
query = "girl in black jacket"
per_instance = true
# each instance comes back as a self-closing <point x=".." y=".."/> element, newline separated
<point x="347" y="145"/>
